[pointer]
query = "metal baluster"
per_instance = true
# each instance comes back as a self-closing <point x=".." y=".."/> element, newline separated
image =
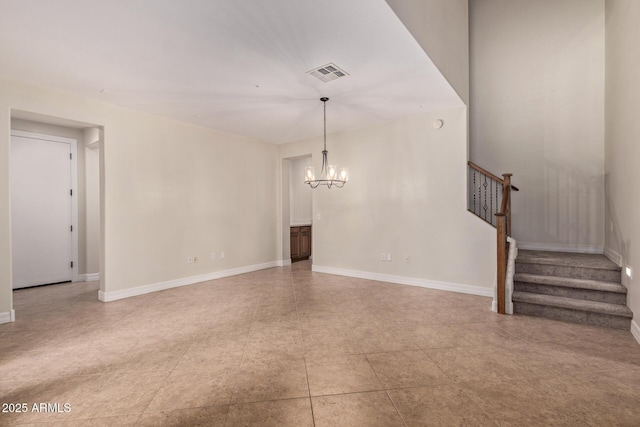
<point x="474" y="191"/>
<point x="484" y="207"/>
<point x="491" y="201"/>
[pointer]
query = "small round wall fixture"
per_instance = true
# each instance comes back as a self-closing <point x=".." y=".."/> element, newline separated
<point x="437" y="124"/>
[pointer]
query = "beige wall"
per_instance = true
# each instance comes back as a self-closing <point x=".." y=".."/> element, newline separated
<point x="537" y="97"/>
<point x="92" y="136"/>
<point x="406" y="195"/>
<point x="299" y="192"/>
<point x="441" y="28"/>
<point x="171" y="190"/>
<point x="623" y="140"/>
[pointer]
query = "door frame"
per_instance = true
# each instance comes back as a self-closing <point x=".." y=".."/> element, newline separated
<point x="73" y="143"/>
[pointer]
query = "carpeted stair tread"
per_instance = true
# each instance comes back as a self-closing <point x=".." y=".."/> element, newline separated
<point x="566" y="259"/>
<point x="573" y="304"/>
<point x="594" y="285"/>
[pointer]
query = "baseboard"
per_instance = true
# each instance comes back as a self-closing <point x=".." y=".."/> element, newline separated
<point x="284" y="262"/>
<point x="613" y="256"/>
<point x="91" y="277"/>
<point x="635" y="330"/>
<point x="154" y="287"/>
<point x="8" y="316"/>
<point x="403" y="280"/>
<point x="560" y="247"/>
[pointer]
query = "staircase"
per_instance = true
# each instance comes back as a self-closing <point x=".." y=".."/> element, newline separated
<point x="581" y="288"/>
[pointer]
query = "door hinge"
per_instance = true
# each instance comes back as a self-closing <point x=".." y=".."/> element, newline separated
<point x="71" y="226"/>
<point x="71" y="264"/>
<point x="71" y="192"/>
<point x="70" y="156"/>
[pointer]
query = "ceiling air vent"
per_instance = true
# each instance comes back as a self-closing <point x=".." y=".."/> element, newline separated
<point x="328" y="72"/>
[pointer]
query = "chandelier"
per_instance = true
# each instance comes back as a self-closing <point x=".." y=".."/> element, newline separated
<point x="330" y="175"/>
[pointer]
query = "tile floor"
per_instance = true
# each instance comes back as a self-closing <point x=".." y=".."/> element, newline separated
<point x="287" y="347"/>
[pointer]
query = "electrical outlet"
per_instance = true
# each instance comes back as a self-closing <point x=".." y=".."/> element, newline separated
<point x="213" y="256"/>
<point x="190" y="260"/>
<point x="388" y="256"/>
<point x="221" y="255"/>
<point x="195" y="259"/>
<point x="383" y="257"/>
<point x="407" y="259"/>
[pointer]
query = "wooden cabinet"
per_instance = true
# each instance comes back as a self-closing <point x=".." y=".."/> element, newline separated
<point x="300" y="242"/>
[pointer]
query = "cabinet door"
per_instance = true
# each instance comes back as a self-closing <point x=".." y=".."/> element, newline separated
<point x="295" y="243"/>
<point x="305" y="242"/>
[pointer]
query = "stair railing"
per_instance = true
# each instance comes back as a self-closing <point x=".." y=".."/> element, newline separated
<point x="490" y="200"/>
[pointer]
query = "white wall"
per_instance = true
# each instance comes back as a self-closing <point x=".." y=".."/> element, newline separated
<point x="171" y="191"/>
<point x="623" y="141"/>
<point x="299" y="192"/>
<point x="406" y="195"/>
<point x="537" y="97"/>
<point x="441" y="28"/>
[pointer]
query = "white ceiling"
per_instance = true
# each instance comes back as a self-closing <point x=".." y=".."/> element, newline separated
<point x="234" y="65"/>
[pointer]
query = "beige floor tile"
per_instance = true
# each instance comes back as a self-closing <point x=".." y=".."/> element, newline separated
<point x="180" y="355"/>
<point x="195" y="386"/>
<point x="406" y="369"/>
<point x="120" y="393"/>
<point x="471" y="363"/>
<point x="278" y="413"/>
<point x="528" y="403"/>
<point x="357" y="409"/>
<point x="442" y="405"/>
<point x="330" y="344"/>
<point x="275" y="347"/>
<point x="342" y="374"/>
<point x="270" y="380"/>
<point x="116" y="421"/>
<point x="35" y="391"/>
<point x="189" y="417"/>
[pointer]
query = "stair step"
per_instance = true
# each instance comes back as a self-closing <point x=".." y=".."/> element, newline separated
<point x="594" y="285"/>
<point x="592" y="290"/>
<point x="574" y="310"/>
<point x="596" y="261"/>
<point x="571" y="265"/>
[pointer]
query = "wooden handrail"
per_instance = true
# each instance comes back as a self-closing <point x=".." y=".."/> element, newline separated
<point x="502" y="224"/>
<point x="490" y="175"/>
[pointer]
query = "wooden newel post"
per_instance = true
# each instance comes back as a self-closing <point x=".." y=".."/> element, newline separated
<point x="502" y="259"/>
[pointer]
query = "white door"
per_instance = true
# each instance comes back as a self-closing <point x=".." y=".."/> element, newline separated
<point x="41" y="209"/>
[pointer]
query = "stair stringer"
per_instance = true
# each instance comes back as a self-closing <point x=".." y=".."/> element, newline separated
<point x="508" y="284"/>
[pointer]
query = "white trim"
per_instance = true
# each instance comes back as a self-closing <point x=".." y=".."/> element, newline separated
<point x="561" y="247"/>
<point x="403" y="280"/>
<point x="284" y="262"/>
<point x="635" y="330"/>
<point x="8" y="316"/>
<point x="613" y="256"/>
<point x="88" y="277"/>
<point x="73" y="148"/>
<point x="154" y="287"/>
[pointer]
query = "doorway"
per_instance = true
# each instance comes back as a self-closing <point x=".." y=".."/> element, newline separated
<point x="300" y="211"/>
<point x="44" y="209"/>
